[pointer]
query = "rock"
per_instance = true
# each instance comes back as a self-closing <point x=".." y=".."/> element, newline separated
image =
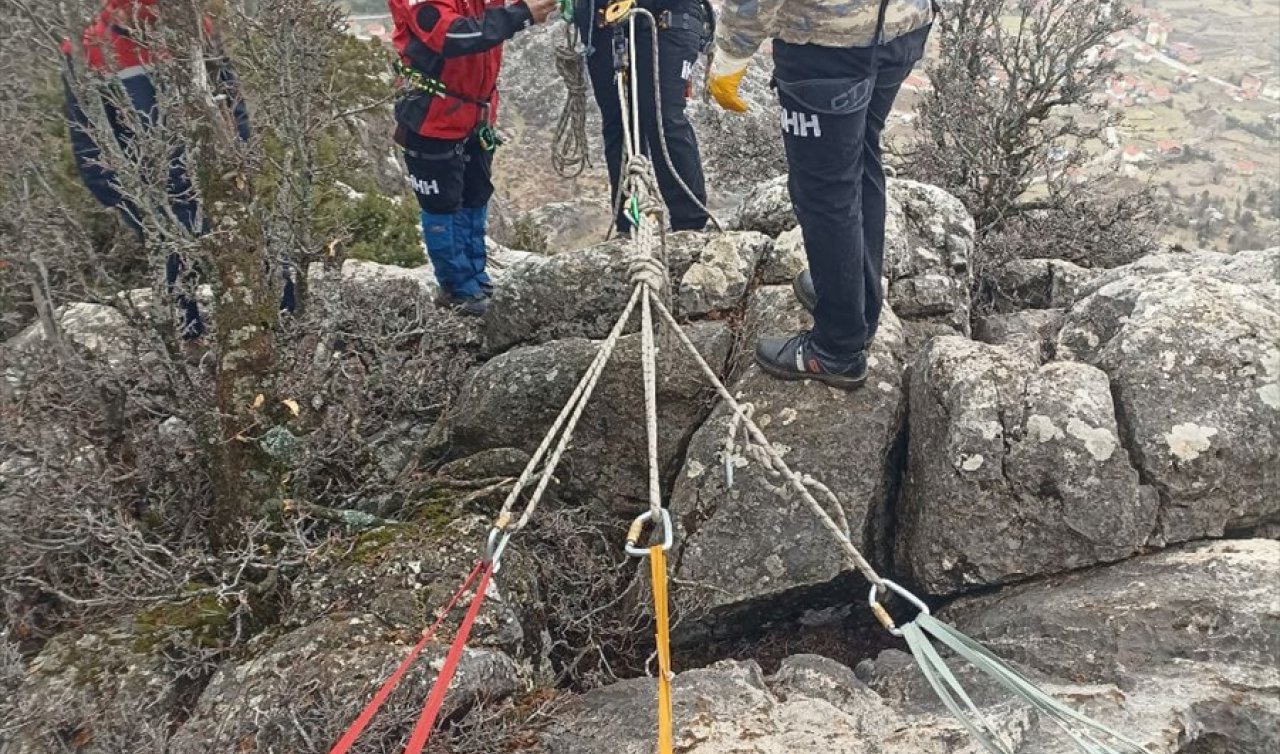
<point x="373" y="276"/>
<point x="496" y="462"/>
<point x="512" y="400"/>
<point x="1038" y="284"/>
<point x="1259" y="270"/>
<point x="328" y="670"/>
<point x="401" y="577"/>
<point x="581" y="293"/>
<point x="928" y="240"/>
<point x="1192" y="636"/>
<point x="755" y="548"/>
<point x="785" y="259"/>
<point x="1030" y="333"/>
<point x="767" y="209"/>
<point x="1029" y="459"/>
<point x="1194" y="362"/>
<point x="718" y="280"/>
<point x="98" y="688"/>
<point x="730" y="708"/>
<point x="568" y="225"/>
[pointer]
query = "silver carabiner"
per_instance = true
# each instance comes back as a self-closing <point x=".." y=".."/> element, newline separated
<point x="637" y="528"/>
<point x="497" y="543"/>
<point x="883" y="615"/>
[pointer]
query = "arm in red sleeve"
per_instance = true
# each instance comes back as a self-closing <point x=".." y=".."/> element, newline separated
<point x="464" y="35"/>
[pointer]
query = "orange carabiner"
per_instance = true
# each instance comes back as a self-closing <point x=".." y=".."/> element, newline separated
<point x="618" y="11"/>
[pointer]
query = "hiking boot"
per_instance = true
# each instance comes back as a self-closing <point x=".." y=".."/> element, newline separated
<point x="802" y="287"/>
<point x="469" y="306"/>
<point x="796" y="358"/>
<point x="487" y="288"/>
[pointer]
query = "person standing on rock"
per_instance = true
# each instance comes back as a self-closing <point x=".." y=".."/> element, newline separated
<point x="838" y="66"/>
<point x="121" y="50"/>
<point x="684" y="29"/>
<point x="450" y="54"/>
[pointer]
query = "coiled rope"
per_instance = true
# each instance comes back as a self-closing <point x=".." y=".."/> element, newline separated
<point x="570" y="149"/>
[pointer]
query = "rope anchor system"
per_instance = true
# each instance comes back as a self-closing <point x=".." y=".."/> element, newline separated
<point x="648" y="272"/>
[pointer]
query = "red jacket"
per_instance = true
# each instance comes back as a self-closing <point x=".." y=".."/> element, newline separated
<point x="108" y="43"/>
<point x="115" y="41"/>
<point x="454" y="50"/>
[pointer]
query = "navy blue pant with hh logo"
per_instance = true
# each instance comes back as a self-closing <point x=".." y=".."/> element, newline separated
<point x="835" y="102"/>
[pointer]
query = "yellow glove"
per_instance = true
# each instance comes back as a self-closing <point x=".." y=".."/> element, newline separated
<point x="724" y="80"/>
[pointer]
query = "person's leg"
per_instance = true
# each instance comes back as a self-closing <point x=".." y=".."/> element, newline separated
<point x="477" y="190"/>
<point x="823" y="94"/>
<point x="825" y="156"/>
<point x="678" y="50"/>
<point x="894" y="63"/>
<point x="604" y="89"/>
<point x="436" y="168"/>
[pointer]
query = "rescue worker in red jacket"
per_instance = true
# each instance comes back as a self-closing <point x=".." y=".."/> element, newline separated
<point x="121" y="53"/>
<point x="450" y="53"/>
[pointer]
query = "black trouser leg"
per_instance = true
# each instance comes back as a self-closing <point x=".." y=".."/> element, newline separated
<point x="825" y="155"/>
<point x="677" y="51"/>
<point x="893" y="64"/>
<point x="835" y="102"/>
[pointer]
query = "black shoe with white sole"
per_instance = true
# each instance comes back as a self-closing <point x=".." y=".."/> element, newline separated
<point x="796" y="358"/>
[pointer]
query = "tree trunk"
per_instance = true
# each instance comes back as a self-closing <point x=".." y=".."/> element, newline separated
<point x="244" y="474"/>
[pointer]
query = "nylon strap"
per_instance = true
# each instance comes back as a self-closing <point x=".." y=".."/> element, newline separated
<point x="427" y="722"/>
<point x="349" y="738"/>
<point x="658" y="572"/>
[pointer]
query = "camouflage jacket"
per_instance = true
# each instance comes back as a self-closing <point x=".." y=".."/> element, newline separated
<point x="745" y="24"/>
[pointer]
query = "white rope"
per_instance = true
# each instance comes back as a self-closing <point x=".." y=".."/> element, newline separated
<point x="570" y="148"/>
<point x="796" y="481"/>
<point x="774" y="480"/>
<point x="568" y="420"/>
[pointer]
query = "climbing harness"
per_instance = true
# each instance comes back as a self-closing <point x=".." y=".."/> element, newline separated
<point x="484" y="131"/>
<point x="649" y="279"/>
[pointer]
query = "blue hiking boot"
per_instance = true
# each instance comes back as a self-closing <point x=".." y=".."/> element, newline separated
<point x="445" y="236"/>
<point x="473" y="225"/>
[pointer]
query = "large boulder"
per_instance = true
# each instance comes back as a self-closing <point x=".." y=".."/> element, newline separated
<point x="928" y="241"/>
<point x="512" y="400"/>
<point x="1014" y="471"/>
<point x="752" y="551"/>
<point x="95" y="692"/>
<point x="811" y="705"/>
<point x="580" y="294"/>
<point x="328" y="671"/>
<point x="1191" y="635"/>
<point x="1194" y="361"/>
